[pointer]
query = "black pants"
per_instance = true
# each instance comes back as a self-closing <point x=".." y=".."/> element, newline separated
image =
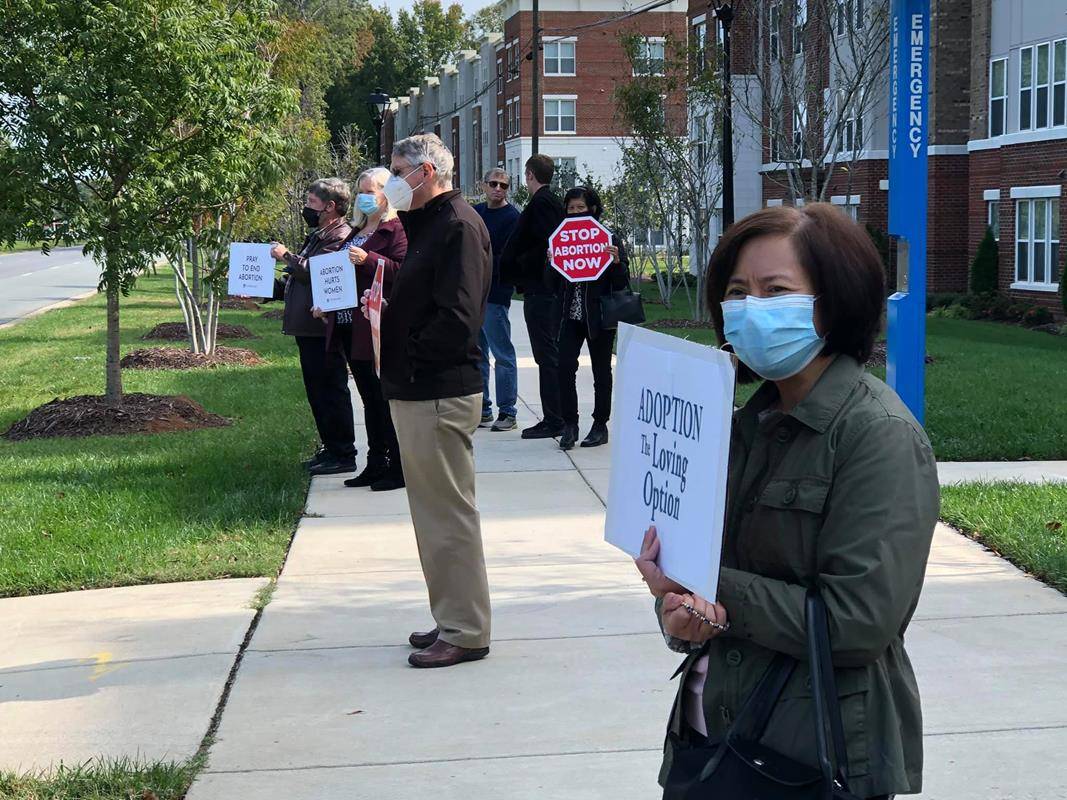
<point x="542" y="321"/>
<point x="570" y="347"/>
<point x="382" y="447"/>
<point x="326" y="384"/>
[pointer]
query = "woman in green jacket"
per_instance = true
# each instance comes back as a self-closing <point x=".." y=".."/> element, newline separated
<point x="832" y="483"/>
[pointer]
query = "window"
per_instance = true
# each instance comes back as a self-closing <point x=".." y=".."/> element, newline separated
<point x="699" y="46"/>
<point x="1037" y="241"/>
<point x="800" y="125"/>
<point x="650" y="57"/>
<point x="518" y="119"/>
<point x="1059" y="82"/>
<point x="1042" y="97"/>
<point x="511" y="119"/>
<point x="559" y="58"/>
<point x="850" y="137"/>
<point x="500" y="125"/>
<point x="993" y="217"/>
<point x="476" y="141"/>
<point x="566" y="174"/>
<point x="500" y="76"/>
<point x="849" y="16"/>
<point x="1026" y="88"/>
<point x="774" y="27"/>
<point x="998" y="95"/>
<point x="560" y="115"/>
<point x="510" y="62"/>
<point x="777" y="137"/>
<point x="800" y="21"/>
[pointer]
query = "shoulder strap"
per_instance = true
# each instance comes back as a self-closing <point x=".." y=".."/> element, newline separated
<point x="754" y="717"/>
<point x="824" y="690"/>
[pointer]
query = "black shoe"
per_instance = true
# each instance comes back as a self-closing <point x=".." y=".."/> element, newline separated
<point x="598" y="435"/>
<point x="568" y="437"/>
<point x="332" y="465"/>
<point x="388" y="482"/>
<point x="542" y="430"/>
<point x="370" y="474"/>
<point x="318" y="456"/>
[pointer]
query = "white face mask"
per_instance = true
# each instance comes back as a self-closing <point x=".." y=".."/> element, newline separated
<point x="398" y="192"/>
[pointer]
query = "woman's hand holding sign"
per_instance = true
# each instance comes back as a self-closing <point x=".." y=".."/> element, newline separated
<point x="648" y="565"/>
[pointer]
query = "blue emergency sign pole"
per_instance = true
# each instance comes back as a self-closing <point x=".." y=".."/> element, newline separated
<point x="908" y="106"/>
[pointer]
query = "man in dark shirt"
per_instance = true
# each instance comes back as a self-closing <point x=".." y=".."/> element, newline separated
<point x="500" y="218"/>
<point x="430" y="374"/>
<point x="325" y="373"/>
<point x="524" y="263"/>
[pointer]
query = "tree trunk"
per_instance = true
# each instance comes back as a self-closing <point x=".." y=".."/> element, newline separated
<point x="113" y="393"/>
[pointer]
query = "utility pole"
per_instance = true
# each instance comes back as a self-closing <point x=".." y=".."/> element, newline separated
<point x="535" y="111"/>
<point x="724" y="13"/>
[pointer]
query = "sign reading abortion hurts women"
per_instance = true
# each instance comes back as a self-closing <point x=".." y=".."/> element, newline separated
<point x="578" y="249"/>
<point x="670" y="450"/>
<point x="333" y="281"/>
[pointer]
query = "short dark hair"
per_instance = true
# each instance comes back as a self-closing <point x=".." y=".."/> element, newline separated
<point x="335" y="190"/>
<point x="587" y="195"/>
<point x="839" y="258"/>
<point x="541" y="167"/>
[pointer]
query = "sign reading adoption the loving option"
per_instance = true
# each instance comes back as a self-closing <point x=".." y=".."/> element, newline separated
<point x="578" y="249"/>
<point x="333" y="281"/>
<point x="251" y="271"/>
<point x="670" y="449"/>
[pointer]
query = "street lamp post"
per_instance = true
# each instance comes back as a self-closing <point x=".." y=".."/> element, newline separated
<point x="724" y="13"/>
<point x="378" y="101"/>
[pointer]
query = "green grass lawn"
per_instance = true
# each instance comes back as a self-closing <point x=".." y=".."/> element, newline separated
<point x="109" y="511"/>
<point x="1024" y="523"/>
<point x="103" y="780"/>
<point x="994" y="392"/>
<point x="19" y="247"/>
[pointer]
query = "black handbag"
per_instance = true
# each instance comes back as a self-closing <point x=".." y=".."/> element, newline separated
<point x="740" y="768"/>
<point x="621" y="305"/>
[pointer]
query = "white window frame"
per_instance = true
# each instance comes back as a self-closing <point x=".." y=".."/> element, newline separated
<point x="557" y="161"/>
<point x="645" y="56"/>
<point x="559" y="116"/>
<point x="1059" y="85"/>
<point x="800" y="22"/>
<point x="698" y="28"/>
<point x="1049" y="204"/>
<point x="800" y="125"/>
<point x="1042" y="83"/>
<point x="992" y="217"/>
<point x="1028" y="123"/>
<point x="500" y="130"/>
<point x="774" y="30"/>
<point x="852" y="121"/>
<point x="850" y="204"/>
<point x="1002" y="98"/>
<point x="557" y="43"/>
<point x="501" y="75"/>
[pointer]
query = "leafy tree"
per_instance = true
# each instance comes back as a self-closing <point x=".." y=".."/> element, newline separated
<point x="483" y="22"/>
<point x="986" y="265"/>
<point x="400" y="54"/>
<point x="127" y="119"/>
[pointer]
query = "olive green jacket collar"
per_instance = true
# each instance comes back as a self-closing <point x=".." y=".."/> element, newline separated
<point x="822" y="404"/>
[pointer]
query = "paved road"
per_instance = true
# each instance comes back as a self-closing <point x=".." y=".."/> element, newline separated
<point x="32" y="281"/>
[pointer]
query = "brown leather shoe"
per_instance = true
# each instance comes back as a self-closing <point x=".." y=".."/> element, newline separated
<point x="420" y="641"/>
<point x="443" y="654"/>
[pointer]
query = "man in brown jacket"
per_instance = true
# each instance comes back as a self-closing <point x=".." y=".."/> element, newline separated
<point x="325" y="373"/>
<point x="431" y="373"/>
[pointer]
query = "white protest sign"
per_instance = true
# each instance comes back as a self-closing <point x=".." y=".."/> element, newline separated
<point x="333" y="281"/>
<point x="251" y="270"/>
<point x="670" y="449"/>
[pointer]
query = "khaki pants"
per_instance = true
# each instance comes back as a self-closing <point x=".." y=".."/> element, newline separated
<point x="437" y="453"/>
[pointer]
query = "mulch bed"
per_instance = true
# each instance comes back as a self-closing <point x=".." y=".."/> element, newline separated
<point x="237" y="304"/>
<point x="90" y="415"/>
<point x="177" y="332"/>
<point x="175" y="358"/>
<point x="878" y="355"/>
<point x="274" y="313"/>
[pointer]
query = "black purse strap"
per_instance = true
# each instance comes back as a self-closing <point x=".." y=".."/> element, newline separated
<point x="824" y="690"/>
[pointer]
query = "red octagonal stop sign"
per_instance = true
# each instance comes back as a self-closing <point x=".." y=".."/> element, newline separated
<point x="579" y="249"/>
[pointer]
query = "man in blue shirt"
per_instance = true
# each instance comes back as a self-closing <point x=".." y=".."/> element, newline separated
<point x="500" y="218"/>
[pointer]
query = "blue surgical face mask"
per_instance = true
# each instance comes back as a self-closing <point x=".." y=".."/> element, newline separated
<point x="775" y="337"/>
<point x="367" y="203"/>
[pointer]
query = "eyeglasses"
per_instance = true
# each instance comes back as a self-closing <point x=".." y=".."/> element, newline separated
<point x="497" y="184"/>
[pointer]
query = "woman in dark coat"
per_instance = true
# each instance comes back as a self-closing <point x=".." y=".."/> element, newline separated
<point x="377" y="235"/>
<point x="581" y="322"/>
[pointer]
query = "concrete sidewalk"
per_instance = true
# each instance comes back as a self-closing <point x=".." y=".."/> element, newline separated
<point x="573" y="700"/>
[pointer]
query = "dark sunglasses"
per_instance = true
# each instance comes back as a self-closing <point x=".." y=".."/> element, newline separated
<point x="497" y="184"/>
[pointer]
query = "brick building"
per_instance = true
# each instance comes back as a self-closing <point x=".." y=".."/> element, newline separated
<point x="481" y="106"/>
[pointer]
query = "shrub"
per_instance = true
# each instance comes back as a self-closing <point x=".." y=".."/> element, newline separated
<point x="955" y="311"/>
<point x="978" y="305"/>
<point x="1017" y="309"/>
<point x="998" y="308"/>
<point x="941" y="300"/>
<point x="986" y="264"/>
<point x="1037" y="315"/>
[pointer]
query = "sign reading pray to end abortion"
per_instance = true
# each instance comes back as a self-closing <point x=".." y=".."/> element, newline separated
<point x="670" y="449"/>
<point x="333" y="281"/>
<point x="251" y="270"/>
